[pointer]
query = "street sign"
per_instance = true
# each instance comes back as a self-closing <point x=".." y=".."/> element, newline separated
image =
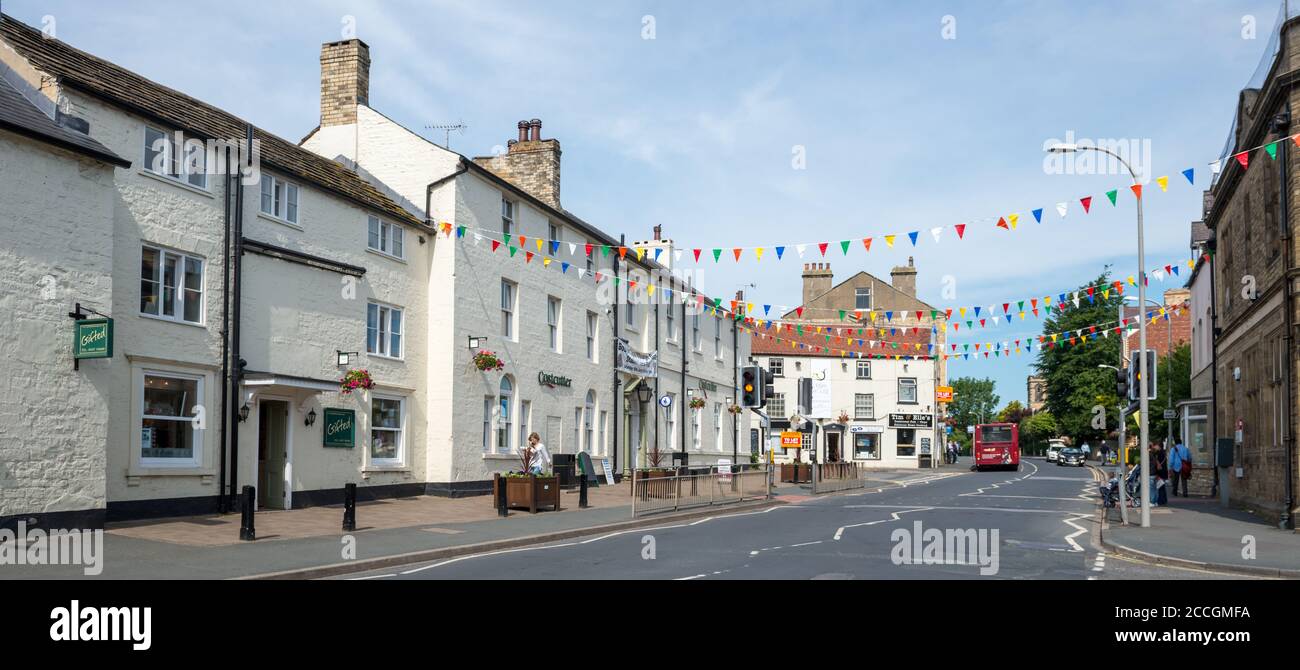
<point x="970" y="429"/>
<point x="1171" y="414"/>
<point x="665" y="400"/>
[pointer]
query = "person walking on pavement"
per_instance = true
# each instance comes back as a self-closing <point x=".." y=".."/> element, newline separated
<point x="1085" y="449"/>
<point x="1180" y="467"/>
<point x="1160" y="472"/>
<point x="541" y="460"/>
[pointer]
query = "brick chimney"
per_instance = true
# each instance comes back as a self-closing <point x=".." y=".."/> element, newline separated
<point x="904" y="278"/>
<point x="530" y="162"/>
<point x="344" y="81"/>
<point x="816" y="281"/>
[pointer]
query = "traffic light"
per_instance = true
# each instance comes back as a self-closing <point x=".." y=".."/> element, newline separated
<point x="1121" y="383"/>
<point x="1134" y="387"/>
<point x="750" y="387"/>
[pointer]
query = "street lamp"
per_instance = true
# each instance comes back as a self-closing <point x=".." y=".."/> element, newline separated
<point x="1143" y="418"/>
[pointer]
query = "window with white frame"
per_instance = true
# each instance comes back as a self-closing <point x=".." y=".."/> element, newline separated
<point x="717" y="425"/>
<point x="591" y="336"/>
<point x="505" y="400"/>
<point x="695" y="332"/>
<point x="553" y="313"/>
<point x="717" y="337"/>
<point x="630" y="311"/>
<point x="280" y="199"/>
<point x="670" y="422"/>
<point x="806" y="441"/>
<point x="696" y="428"/>
<point x="553" y="237"/>
<point x="672" y="322"/>
<point x="864" y="369"/>
<point x="525" y="419"/>
<point x="171" y="155"/>
<point x="168" y="432"/>
<point x="776" y="406"/>
<point x="907" y="390"/>
<point x="862" y="297"/>
<point x="588" y="419"/>
<point x="507" y="216"/>
<point x="776" y="366"/>
<point x="171" y="285"/>
<point x="577" y="429"/>
<point x="864" y="406"/>
<point x="387" y="425"/>
<point x="600" y="444"/>
<point x="387" y="238"/>
<point x="384" y="330"/>
<point x="509" y="294"/>
<point x="488" y="403"/>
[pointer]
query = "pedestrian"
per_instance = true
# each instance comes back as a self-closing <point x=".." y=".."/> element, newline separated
<point x="1160" y="470"/>
<point x="541" y="456"/>
<point x="1085" y="449"/>
<point x="1180" y="467"/>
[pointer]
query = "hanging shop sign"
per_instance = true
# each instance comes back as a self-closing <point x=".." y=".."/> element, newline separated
<point x="911" y="420"/>
<point x="708" y="386"/>
<point x="340" y="428"/>
<point x="635" y="362"/>
<point x="93" y="338"/>
<point x="552" y="381"/>
<point x="943" y="394"/>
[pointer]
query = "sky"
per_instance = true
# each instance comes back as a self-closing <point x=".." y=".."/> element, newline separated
<point x="774" y="123"/>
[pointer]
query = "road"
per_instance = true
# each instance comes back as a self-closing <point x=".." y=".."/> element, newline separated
<point x="1036" y="523"/>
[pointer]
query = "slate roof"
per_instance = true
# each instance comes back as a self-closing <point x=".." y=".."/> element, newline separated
<point x="19" y="115"/>
<point x="117" y="85"/>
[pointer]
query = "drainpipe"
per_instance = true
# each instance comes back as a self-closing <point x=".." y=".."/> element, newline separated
<point x="1280" y="124"/>
<point x="237" y="374"/>
<point x="619" y="401"/>
<point x="1211" y="245"/>
<point x="222" y="500"/>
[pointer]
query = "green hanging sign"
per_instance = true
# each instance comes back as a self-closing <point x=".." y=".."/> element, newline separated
<point x="92" y="338"/>
<point x="340" y="428"/>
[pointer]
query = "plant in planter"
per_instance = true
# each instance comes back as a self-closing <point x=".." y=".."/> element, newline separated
<point x="488" y="361"/>
<point x="697" y="403"/>
<point x="529" y="490"/>
<point x="735" y="409"/>
<point x="355" y="379"/>
<point x="844" y="417"/>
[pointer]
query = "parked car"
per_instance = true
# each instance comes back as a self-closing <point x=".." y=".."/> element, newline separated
<point x="1054" y="448"/>
<point x="1070" y="456"/>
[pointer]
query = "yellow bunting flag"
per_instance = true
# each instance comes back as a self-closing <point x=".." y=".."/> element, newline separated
<point x="1164" y="183"/>
<point x="889" y="239"/>
<point x="1013" y="219"/>
<point x="759" y="253"/>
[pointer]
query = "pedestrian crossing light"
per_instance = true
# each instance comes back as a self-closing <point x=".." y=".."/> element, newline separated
<point x="751" y="386"/>
<point x="1121" y="383"/>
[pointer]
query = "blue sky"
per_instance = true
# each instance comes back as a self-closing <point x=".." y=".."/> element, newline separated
<point x="696" y="129"/>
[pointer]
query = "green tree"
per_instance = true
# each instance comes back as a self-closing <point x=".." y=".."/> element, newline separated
<point x="1173" y="378"/>
<point x="1036" y="430"/>
<point x="1014" y="412"/>
<point x="973" y="401"/>
<point x="1076" y="386"/>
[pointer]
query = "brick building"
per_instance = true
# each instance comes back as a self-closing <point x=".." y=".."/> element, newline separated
<point x="1253" y="220"/>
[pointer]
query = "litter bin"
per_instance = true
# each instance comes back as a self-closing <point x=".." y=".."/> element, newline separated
<point x="565" y="466"/>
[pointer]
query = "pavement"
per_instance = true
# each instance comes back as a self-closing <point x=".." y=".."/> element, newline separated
<point x="1199" y="533"/>
<point x="1036" y="523"/>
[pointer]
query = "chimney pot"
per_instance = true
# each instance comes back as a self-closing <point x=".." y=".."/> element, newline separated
<point x="523" y="131"/>
<point x="536" y="125"/>
<point x="659" y="229"/>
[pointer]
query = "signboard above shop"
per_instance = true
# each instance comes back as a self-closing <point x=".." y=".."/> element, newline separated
<point x="911" y="420"/>
<point x="93" y="338"/>
<point x="340" y="428"/>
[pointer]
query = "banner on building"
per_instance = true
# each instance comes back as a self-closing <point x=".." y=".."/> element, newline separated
<point x="635" y="362"/>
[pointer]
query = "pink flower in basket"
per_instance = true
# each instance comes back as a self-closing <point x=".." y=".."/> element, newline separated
<point x="488" y="361"/>
<point x="355" y="379"/>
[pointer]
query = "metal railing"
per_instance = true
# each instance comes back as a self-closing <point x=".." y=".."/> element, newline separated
<point x="660" y="492"/>
<point x="832" y="477"/>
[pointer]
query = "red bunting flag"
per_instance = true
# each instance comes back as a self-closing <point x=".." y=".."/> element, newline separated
<point x="697" y="255"/>
<point x="1087" y="203"/>
<point x="799" y="311"/>
<point x="528" y="256"/>
<point x="737" y="252"/>
<point x="1137" y="190"/>
<point x="961" y="230"/>
<point x="1002" y="223"/>
<point x="866" y="243"/>
<point x="822" y="247"/>
<point x="1243" y="158"/>
<point x="495" y="244"/>
<point x="622" y="253"/>
<point x="588" y="251"/>
<point x="522" y="240"/>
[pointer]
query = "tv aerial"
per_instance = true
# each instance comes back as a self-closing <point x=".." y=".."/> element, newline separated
<point x="446" y="128"/>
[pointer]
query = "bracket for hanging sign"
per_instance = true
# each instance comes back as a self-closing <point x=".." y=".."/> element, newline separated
<point x="80" y="313"/>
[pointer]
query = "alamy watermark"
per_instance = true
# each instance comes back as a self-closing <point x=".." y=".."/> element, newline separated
<point x="1136" y="152"/>
<point x="183" y="157"/>
<point x="952" y="546"/>
<point x="56" y="546"/>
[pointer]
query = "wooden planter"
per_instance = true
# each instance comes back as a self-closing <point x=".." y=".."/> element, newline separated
<point x="652" y="490"/>
<point x="530" y="493"/>
<point x="796" y="473"/>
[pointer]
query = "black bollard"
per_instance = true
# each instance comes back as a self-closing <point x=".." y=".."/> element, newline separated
<point x="582" y="491"/>
<point x="501" y="495"/>
<point x="349" y="507"/>
<point x="246" y="531"/>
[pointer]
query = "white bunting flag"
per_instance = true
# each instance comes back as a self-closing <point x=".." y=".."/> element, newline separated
<point x="1061" y="209"/>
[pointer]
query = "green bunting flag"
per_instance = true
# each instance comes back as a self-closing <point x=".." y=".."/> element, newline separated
<point x="1111" y="195"/>
<point x="513" y="250"/>
<point x="844" y="246"/>
<point x="1271" y="148"/>
<point x="716" y="254"/>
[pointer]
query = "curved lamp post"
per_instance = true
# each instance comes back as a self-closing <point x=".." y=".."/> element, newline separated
<point x="1143" y="428"/>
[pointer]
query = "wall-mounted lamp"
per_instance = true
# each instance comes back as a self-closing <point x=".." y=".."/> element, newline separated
<point x="243" y="413"/>
<point x="643" y="393"/>
<point x="345" y="357"/>
<point x="311" y="418"/>
<point x="476" y="341"/>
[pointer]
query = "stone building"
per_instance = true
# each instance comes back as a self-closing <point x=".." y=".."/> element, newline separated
<point x="1172" y="328"/>
<point x="1196" y="414"/>
<point x="880" y="364"/>
<point x="1035" y="393"/>
<point x="1252" y="214"/>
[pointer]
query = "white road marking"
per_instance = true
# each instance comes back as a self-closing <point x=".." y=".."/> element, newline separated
<point x="682" y="579"/>
<point x="1081" y="530"/>
<point x="986" y="495"/>
<point x="1015" y="510"/>
<point x="893" y="517"/>
<point x="805" y="544"/>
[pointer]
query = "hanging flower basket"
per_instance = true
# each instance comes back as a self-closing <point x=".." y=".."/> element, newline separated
<point x="844" y="417"/>
<point x="735" y="409"/>
<point x="355" y="379"/>
<point x="697" y="403"/>
<point x="488" y="361"/>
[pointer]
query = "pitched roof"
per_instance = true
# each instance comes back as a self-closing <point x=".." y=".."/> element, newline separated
<point x="19" y="115"/>
<point x="117" y="85"/>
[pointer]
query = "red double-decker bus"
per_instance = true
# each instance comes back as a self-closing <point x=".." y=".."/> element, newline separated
<point x="997" y="445"/>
